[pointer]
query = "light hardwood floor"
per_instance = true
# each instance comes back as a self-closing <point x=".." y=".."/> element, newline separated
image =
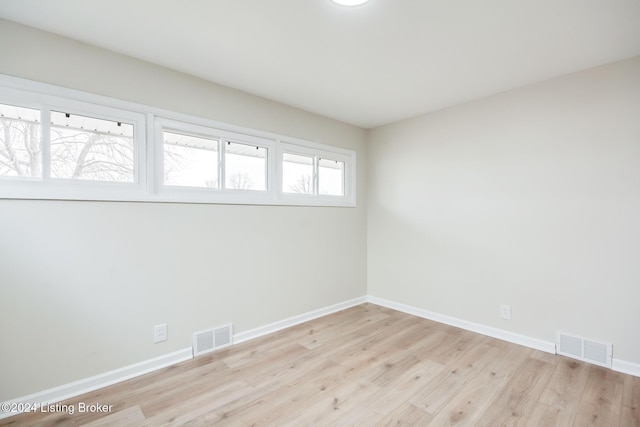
<point x="367" y="366"/>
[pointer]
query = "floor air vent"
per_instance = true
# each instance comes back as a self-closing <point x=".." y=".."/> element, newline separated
<point x="582" y="349"/>
<point x="211" y="339"/>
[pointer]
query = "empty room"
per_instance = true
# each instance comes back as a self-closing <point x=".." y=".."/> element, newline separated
<point x="320" y="212"/>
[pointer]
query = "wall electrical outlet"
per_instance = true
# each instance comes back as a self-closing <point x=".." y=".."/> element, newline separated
<point x="505" y="311"/>
<point x="160" y="333"/>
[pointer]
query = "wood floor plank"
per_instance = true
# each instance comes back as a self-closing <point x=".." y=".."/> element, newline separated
<point x="292" y="398"/>
<point x="319" y="334"/>
<point x="125" y="417"/>
<point x="560" y="399"/>
<point x="601" y="403"/>
<point x="630" y="415"/>
<point x="548" y="416"/>
<point x="184" y="411"/>
<point x="519" y="397"/>
<point x="442" y="388"/>
<point x="406" y="415"/>
<point x="366" y="366"/>
<point x="483" y="382"/>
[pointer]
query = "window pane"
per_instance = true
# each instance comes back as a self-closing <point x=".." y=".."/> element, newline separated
<point x="88" y="148"/>
<point x="190" y="161"/>
<point x="331" y="177"/>
<point x="245" y="167"/>
<point x="297" y="174"/>
<point x="20" y="147"/>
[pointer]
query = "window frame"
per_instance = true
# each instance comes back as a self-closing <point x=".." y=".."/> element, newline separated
<point x="105" y="113"/>
<point x="149" y="125"/>
<point x="345" y="156"/>
<point x="211" y="195"/>
<point x="47" y="187"/>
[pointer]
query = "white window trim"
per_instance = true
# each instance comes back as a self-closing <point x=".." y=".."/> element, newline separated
<point x="148" y="181"/>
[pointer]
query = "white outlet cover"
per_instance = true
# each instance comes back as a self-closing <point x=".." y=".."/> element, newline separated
<point x="505" y="311"/>
<point x="160" y="333"/>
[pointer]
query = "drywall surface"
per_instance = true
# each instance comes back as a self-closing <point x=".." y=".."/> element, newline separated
<point x="529" y="198"/>
<point x="83" y="283"/>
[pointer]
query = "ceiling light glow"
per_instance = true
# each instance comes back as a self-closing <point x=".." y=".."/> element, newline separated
<point x="350" y="2"/>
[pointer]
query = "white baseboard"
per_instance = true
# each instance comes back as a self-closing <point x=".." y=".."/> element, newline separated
<point x="546" y="346"/>
<point x="86" y="385"/>
<point x="295" y="320"/>
<point x="626" y="367"/>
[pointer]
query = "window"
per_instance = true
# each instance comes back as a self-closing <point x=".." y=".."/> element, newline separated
<point x="297" y="173"/>
<point x="205" y="164"/>
<point x="190" y="161"/>
<point x="90" y="148"/>
<point x="245" y="167"/>
<point x="57" y="148"/>
<point x="57" y="143"/>
<point x="323" y="174"/>
<point x="330" y="177"/>
<point x="20" y="146"/>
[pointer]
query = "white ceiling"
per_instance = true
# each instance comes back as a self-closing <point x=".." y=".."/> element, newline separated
<point x="370" y="65"/>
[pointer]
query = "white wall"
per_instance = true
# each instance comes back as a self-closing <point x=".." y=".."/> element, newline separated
<point x="83" y="283"/>
<point x="529" y="198"/>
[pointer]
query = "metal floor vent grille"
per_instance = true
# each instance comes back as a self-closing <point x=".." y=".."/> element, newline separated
<point x="212" y="339"/>
<point x="589" y="351"/>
